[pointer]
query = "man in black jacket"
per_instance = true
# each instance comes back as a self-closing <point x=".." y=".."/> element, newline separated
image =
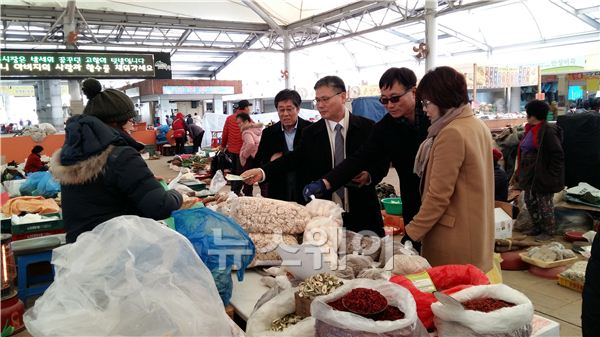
<point x="327" y="142"/>
<point x="279" y="139"/>
<point x="395" y="138"/>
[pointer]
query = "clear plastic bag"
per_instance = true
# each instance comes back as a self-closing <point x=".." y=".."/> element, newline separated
<point x="506" y="322"/>
<point x="130" y="276"/>
<point x="220" y="242"/>
<point x="217" y="182"/>
<point x="331" y="322"/>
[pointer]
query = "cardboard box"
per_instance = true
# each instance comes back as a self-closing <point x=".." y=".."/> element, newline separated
<point x="503" y="224"/>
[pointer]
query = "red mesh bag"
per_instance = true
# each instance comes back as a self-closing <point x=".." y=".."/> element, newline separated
<point x="447" y="279"/>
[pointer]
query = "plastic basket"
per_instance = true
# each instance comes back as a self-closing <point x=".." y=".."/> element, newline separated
<point x="574" y="285"/>
<point x="392" y="206"/>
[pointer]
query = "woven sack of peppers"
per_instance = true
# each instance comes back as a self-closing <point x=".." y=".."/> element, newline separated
<point x="364" y="307"/>
<point x="490" y="310"/>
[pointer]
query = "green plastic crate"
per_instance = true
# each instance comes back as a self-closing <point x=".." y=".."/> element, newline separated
<point x="39" y="226"/>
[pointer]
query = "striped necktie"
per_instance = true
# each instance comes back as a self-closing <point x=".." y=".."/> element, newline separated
<point x="338" y="154"/>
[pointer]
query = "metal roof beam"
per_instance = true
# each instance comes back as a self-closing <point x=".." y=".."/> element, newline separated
<point x="553" y="42"/>
<point x="256" y="8"/>
<point x="581" y="16"/>
<point x="123" y="46"/>
<point x="588" y="9"/>
<point x="49" y="14"/>
<point x="349" y="11"/>
<point x="465" y="38"/>
<point x="337" y="35"/>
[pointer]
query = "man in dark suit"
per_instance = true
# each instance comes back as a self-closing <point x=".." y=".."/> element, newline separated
<point x="396" y="138"/>
<point x="325" y="144"/>
<point x="279" y="139"/>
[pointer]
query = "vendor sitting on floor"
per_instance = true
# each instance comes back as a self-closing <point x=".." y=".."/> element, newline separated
<point x="101" y="175"/>
<point x="34" y="162"/>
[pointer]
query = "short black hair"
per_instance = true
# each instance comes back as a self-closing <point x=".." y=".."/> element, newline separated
<point x="333" y="82"/>
<point x="37" y="149"/>
<point x="287" y="94"/>
<point x="403" y="76"/>
<point x="243" y="117"/>
<point x="538" y="109"/>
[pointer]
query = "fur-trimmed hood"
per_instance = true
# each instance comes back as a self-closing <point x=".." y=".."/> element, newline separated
<point x="252" y="126"/>
<point x="81" y="172"/>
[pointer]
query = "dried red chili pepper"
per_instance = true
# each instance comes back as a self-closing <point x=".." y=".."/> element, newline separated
<point x="389" y="314"/>
<point x="486" y="304"/>
<point x="364" y="301"/>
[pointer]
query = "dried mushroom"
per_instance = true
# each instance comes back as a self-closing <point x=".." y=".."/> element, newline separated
<point x="319" y="284"/>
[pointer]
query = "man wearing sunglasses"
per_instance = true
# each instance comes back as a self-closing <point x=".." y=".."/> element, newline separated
<point x="396" y="138"/>
<point x="325" y="144"/>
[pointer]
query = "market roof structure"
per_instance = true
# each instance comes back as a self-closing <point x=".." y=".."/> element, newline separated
<point x="204" y="37"/>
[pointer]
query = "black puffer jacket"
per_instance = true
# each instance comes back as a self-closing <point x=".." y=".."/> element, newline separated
<point x="102" y="177"/>
<point x="544" y="172"/>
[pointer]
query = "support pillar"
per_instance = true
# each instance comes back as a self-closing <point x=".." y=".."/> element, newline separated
<point x="286" y="59"/>
<point x="70" y="33"/>
<point x="515" y="99"/>
<point x="431" y="33"/>
<point x="49" y="103"/>
<point x="218" y="104"/>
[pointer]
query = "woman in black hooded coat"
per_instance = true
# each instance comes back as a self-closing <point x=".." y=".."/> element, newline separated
<point x="101" y="175"/>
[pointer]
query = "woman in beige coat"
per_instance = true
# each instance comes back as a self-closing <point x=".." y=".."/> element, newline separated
<point x="456" y="220"/>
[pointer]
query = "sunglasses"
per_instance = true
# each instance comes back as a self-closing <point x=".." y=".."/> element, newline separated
<point x="393" y="99"/>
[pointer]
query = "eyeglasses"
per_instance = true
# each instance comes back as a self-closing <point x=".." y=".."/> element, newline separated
<point x="425" y="103"/>
<point x="393" y="99"/>
<point x="325" y="99"/>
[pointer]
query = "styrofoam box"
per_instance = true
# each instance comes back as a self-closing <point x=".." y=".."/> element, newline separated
<point x="543" y="327"/>
<point x="503" y="224"/>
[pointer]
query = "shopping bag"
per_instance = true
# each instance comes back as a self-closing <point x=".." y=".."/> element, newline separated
<point x="221" y="161"/>
<point x="220" y="242"/>
<point x="40" y="183"/>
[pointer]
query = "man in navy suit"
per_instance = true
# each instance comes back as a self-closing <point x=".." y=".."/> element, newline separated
<point x="325" y="144"/>
<point x="281" y="138"/>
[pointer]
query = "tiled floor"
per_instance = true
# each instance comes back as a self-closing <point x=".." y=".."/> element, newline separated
<point x="549" y="300"/>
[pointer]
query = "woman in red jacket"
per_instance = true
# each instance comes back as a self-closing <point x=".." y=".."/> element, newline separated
<point x="179" y="132"/>
<point x="34" y="162"/>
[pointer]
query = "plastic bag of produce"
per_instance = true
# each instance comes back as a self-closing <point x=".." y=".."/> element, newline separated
<point x="266" y="248"/>
<point x="448" y="279"/>
<point x="220" y="243"/>
<point x="40" y="183"/>
<point x="331" y="322"/>
<point x="149" y="281"/>
<point x="513" y="321"/>
<point x="262" y="322"/>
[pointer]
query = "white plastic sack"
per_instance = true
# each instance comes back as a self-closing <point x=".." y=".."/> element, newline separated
<point x="130" y="276"/>
<point x="513" y="321"/>
<point x="13" y="187"/>
<point x="217" y="182"/>
<point x="324" y="232"/>
<point x="356" y="325"/>
<point x="259" y="323"/>
<point x="325" y="208"/>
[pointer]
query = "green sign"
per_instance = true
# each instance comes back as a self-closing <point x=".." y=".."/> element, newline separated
<point x="79" y="64"/>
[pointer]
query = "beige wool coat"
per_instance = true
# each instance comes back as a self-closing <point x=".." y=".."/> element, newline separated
<point x="456" y="220"/>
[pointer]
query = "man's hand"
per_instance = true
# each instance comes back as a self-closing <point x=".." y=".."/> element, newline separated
<point x="276" y="156"/>
<point x="362" y="179"/>
<point x="316" y="188"/>
<point x="252" y="176"/>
